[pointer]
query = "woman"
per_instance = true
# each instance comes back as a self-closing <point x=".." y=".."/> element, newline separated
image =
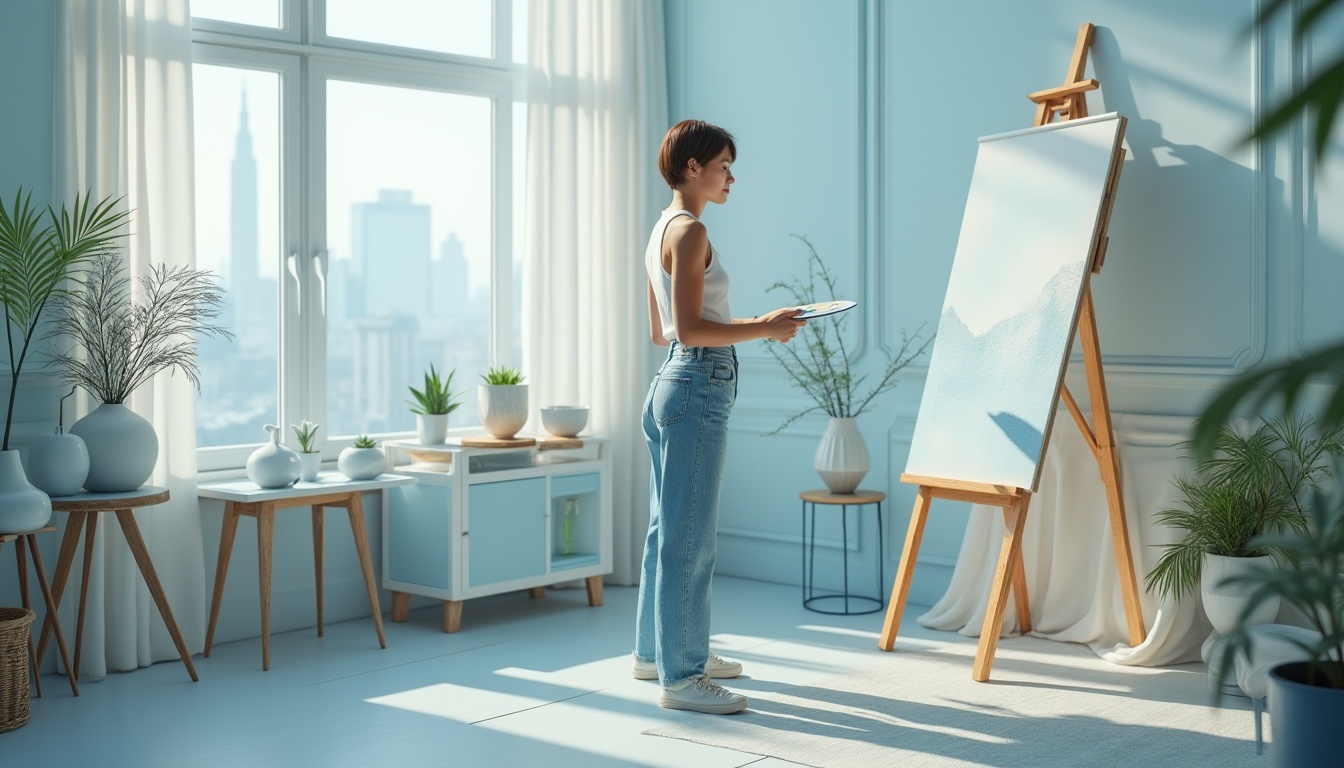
<point x="686" y="422"/>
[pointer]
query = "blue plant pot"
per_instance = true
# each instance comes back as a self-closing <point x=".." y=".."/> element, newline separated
<point x="1304" y="719"/>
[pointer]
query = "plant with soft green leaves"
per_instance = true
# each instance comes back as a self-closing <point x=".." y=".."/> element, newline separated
<point x="1310" y="577"/>
<point x="817" y="361"/>
<point x="503" y="375"/>
<point x="1251" y="487"/>
<point x="39" y="249"/>
<point x="306" y="432"/>
<point x="436" y="397"/>
<point x="364" y="441"/>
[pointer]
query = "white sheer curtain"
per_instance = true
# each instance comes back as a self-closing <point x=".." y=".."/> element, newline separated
<point x="597" y="109"/>
<point x="123" y="127"/>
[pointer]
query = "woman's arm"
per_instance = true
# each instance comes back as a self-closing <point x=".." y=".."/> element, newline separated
<point x="688" y="251"/>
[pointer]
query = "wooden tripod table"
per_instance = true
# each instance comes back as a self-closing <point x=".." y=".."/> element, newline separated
<point x="85" y="507"/>
<point x="30" y="538"/>
<point x="243" y="498"/>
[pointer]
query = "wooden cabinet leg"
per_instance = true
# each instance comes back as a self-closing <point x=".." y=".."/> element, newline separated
<point x="401" y="606"/>
<point x="536" y="592"/>
<point x="594" y="590"/>
<point x="452" y="615"/>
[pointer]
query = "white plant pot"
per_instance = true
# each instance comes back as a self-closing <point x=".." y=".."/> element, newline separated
<point x="274" y="465"/>
<point x="58" y="464"/>
<point x="1224" y="604"/>
<point x="361" y="463"/>
<point x="502" y="408"/>
<point x="431" y="428"/>
<point x="23" y="507"/>
<point x="308" y="466"/>
<point x="842" y="457"/>
<point x="122" y="448"/>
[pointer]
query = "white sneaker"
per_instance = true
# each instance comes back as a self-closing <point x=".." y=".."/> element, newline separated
<point x="716" y="668"/>
<point x="700" y="694"/>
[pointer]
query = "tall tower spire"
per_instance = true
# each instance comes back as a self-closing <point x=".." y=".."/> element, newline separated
<point x="243" y="237"/>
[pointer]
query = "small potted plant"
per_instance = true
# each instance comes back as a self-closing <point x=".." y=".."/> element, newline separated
<point x="1250" y="486"/>
<point x="120" y="342"/>
<point x="1307" y="695"/>
<point x="432" y="406"/>
<point x="362" y="460"/>
<point x="502" y="402"/>
<point x="310" y="455"/>
<point x="817" y="362"/>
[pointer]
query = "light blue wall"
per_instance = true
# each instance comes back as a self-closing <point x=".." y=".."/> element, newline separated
<point x="857" y="125"/>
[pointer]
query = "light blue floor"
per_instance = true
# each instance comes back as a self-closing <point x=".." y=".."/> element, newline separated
<point x="524" y="683"/>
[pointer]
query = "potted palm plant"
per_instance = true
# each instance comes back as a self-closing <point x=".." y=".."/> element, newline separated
<point x="502" y="402"/>
<point x="817" y="362"/>
<point x="1307" y="696"/>
<point x="122" y="341"/>
<point x="39" y="250"/>
<point x="432" y="405"/>
<point x="1249" y="487"/>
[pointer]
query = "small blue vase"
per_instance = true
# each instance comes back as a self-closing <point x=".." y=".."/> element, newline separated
<point x="58" y="464"/>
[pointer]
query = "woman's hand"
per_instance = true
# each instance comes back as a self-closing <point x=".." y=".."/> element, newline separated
<point x="781" y="324"/>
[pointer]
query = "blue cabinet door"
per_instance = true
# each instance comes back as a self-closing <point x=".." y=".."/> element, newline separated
<point x="419" y="546"/>
<point x="506" y="531"/>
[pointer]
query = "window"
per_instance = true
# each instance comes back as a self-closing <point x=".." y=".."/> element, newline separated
<point x="358" y="187"/>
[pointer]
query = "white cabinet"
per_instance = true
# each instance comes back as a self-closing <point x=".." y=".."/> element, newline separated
<point x="481" y="521"/>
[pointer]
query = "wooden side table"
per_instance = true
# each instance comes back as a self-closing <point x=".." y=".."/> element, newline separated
<point x="859" y="499"/>
<point x="242" y="498"/>
<point x="86" y="507"/>
<point x="31" y="538"/>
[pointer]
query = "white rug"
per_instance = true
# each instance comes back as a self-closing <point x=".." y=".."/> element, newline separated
<point x="1046" y="704"/>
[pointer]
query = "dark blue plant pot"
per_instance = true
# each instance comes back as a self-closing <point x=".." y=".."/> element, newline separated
<point x="1305" y="720"/>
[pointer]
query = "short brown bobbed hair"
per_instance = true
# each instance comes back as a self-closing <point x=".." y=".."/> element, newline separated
<point x="691" y="140"/>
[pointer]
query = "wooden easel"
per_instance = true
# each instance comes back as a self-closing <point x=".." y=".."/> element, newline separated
<point x="1069" y="102"/>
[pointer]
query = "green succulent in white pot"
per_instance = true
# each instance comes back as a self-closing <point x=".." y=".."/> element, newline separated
<point x="501" y="402"/>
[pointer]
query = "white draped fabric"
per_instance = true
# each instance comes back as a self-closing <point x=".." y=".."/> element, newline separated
<point x="1072" y="579"/>
<point x="597" y="110"/>
<point x="123" y="127"/>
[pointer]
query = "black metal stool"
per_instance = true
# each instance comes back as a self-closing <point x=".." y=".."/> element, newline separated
<point x="859" y="499"/>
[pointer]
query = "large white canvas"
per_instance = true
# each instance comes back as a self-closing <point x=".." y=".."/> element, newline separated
<point x="1012" y="302"/>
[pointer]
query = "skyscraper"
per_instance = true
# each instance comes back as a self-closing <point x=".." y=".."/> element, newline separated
<point x="390" y="246"/>
<point x="252" y="299"/>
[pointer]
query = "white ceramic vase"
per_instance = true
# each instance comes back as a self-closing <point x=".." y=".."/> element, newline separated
<point x="1224" y="604"/>
<point x="122" y="448"/>
<point x="58" y="464"/>
<point x="431" y="428"/>
<point x="309" y="463"/>
<point x="361" y="463"/>
<point x="841" y="458"/>
<point x="274" y="465"/>
<point x="502" y="408"/>
<point x="23" y="507"/>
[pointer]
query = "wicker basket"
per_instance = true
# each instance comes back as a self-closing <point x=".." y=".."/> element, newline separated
<point x="15" y="626"/>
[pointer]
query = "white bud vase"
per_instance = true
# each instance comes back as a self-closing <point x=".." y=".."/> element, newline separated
<point x="274" y="465"/>
<point x="23" y="508"/>
<point x="842" y="458"/>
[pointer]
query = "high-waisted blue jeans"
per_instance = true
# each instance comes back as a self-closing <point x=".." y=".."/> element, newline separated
<point x="686" y="427"/>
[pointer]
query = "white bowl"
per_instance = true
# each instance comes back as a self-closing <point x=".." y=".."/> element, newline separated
<point x="564" y="420"/>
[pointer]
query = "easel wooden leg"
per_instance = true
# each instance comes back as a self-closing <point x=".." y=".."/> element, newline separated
<point x="226" y="534"/>
<point x="906" y="570"/>
<point x="1009" y="556"/>
<point x="1019" y="586"/>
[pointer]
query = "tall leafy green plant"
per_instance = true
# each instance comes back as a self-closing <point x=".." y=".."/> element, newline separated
<point x="436" y="397"/>
<point x="1252" y="486"/>
<point x="39" y="250"/>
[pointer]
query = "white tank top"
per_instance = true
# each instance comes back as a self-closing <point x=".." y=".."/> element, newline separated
<point x="715" y="304"/>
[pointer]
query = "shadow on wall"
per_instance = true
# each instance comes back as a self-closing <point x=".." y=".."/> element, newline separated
<point x="1185" y="226"/>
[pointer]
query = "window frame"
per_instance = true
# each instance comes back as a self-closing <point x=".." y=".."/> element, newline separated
<point x="306" y="59"/>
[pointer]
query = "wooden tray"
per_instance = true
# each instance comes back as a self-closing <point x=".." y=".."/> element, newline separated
<point x="559" y="443"/>
<point x="489" y="441"/>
